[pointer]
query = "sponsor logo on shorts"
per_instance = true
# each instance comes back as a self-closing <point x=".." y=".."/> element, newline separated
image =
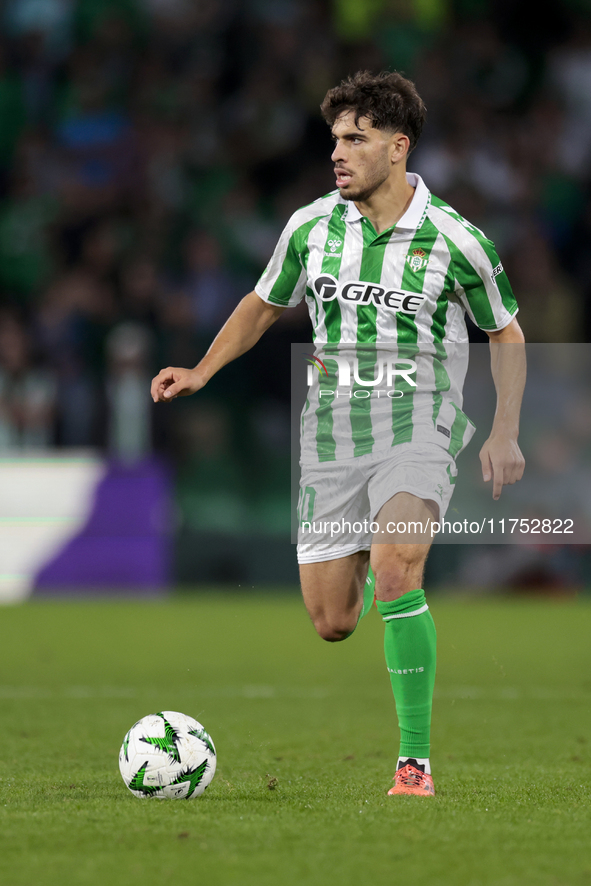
<point x="361" y="292"/>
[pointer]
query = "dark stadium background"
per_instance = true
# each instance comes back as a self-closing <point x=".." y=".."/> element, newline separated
<point x="150" y="154"/>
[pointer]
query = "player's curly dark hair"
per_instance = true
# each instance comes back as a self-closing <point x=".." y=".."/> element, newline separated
<point x="388" y="99"/>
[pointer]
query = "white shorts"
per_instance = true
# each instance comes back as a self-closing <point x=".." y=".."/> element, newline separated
<point x="339" y="500"/>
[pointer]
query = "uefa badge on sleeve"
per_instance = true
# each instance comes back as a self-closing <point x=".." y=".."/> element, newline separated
<point x="417" y="259"/>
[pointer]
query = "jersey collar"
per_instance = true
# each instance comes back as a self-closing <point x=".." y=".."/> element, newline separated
<point x="414" y="215"/>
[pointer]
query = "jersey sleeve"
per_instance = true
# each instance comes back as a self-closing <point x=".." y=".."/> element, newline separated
<point x="482" y="285"/>
<point x="283" y="282"/>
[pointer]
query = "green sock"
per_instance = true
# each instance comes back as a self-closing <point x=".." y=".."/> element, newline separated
<point x="409" y="645"/>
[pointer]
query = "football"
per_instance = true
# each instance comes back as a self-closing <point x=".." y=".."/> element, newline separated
<point x="168" y="756"/>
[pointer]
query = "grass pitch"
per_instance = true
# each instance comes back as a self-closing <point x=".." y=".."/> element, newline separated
<point x="306" y="738"/>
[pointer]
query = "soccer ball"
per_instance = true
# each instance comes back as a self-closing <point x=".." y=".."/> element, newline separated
<point x="168" y="756"/>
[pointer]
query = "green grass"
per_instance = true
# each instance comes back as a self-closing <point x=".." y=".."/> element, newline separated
<point x="511" y="747"/>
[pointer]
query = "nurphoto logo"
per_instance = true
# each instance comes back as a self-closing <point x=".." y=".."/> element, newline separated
<point x="348" y="374"/>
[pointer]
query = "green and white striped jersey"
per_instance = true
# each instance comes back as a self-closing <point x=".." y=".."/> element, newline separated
<point x="409" y="285"/>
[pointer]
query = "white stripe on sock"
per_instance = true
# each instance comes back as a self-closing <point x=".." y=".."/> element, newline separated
<point x="406" y="614"/>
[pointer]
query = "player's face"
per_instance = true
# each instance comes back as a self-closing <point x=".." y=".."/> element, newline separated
<point x="361" y="156"/>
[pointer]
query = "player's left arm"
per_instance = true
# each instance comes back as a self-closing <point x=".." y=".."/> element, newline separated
<point x="501" y="457"/>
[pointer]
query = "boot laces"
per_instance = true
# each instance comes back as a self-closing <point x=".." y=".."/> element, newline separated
<point x="409" y="777"/>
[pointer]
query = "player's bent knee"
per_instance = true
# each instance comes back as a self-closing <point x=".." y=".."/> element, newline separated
<point x="334" y="630"/>
<point x="334" y="635"/>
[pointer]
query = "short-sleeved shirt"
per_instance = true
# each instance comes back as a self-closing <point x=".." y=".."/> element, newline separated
<point x="410" y="285"/>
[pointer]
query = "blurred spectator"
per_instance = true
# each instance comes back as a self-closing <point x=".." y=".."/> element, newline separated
<point x="128" y="392"/>
<point x="141" y="291"/>
<point x="47" y="22"/>
<point x="212" y="291"/>
<point x="248" y="235"/>
<point x="27" y="393"/>
<point x="95" y="137"/>
<point x="487" y="70"/>
<point x="164" y="145"/>
<point x="549" y="308"/>
<point x="26" y="261"/>
<point x="108" y="22"/>
<point x="569" y="71"/>
<point x="12" y="114"/>
<point x="261" y="119"/>
<point x="100" y="247"/>
<point x="211" y="493"/>
<point x="71" y="324"/>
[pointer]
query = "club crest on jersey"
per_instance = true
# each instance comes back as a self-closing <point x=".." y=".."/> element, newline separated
<point x="417" y="259"/>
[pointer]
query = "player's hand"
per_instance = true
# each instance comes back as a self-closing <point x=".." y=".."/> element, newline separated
<point x="502" y="462"/>
<point x="174" y="382"/>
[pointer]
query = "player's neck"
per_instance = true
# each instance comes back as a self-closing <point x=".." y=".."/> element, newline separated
<point x="389" y="202"/>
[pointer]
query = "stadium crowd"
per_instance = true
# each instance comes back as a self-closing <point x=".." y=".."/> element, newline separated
<point x="152" y="150"/>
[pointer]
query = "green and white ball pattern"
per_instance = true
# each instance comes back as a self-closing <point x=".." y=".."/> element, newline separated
<point x="168" y="756"/>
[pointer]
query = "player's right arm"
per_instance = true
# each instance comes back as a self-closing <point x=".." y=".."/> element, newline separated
<point x="251" y="318"/>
